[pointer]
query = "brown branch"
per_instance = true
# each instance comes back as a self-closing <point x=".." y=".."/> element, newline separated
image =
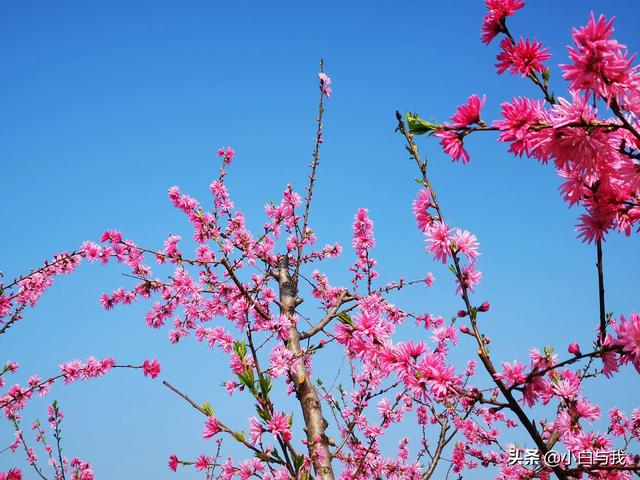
<point x="35" y="466"/>
<point x="38" y="270"/>
<point x="331" y="314"/>
<point x="569" y="361"/>
<point x="482" y="352"/>
<point x="312" y="179"/>
<point x="222" y="426"/>
<point x="615" y="108"/>
<point x="442" y="442"/>
<point x="603" y="315"/>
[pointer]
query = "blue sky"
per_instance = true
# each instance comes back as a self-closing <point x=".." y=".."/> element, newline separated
<point x="106" y="105"/>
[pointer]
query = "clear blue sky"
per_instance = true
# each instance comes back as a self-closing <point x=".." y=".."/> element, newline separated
<point x="107" y="104"/>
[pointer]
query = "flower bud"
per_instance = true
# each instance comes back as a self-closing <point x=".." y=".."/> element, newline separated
<point x="462" y="313"/>
<point x="484" y="307"/>
<point x="574" y="348"/>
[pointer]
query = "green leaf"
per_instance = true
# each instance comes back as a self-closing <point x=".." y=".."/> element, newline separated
<point x="417" y="125"/>
<point x="546" y="74"/>
<point x="297" y="462"/>
<point x="265" y="386"/>
<point x="263" y="414"/>
<point x="345" y="318"/>
<point x="246" y="379"/>
<point x="240" y="348"/>
<point x="206" y="407"/>
<point x="248" y="371"/>
<point x="240" y="436"/>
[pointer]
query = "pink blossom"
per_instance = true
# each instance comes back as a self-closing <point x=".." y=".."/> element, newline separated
<point x="173" y="463"/>
<point x="280" y="361"/>
<point x="91" y="251"/>
<point x="429" y="279"/>
<point x="567" y="385"/>
<point x="512" y="373"/>
<point x="203" y="462"/>
<point x="610" y="362"/>
<point x="593" y="228"/>
<point x="421" y="206"/>
<point x="438" y="237"/>
<point x="151" y="368"/>
<point x="519" y="119"/>
<point x="325" y="84"/>
<point x="442" y="334"/>
<point x="280" y="426"/>
<point x="587" y="410"/>
<point x="466" y="243"/>
<point x="470" y="278"/>
<point x="629" y="338"/>
<point x="524" y="57"/>
<point x="498" y="11"/>
<point x="112" y="236"/>
<point x="227" y="154"/>
<point x="255" y="430"/>
<point x="13" y="474"/>
<point x="11" y="367"/>
<point x="430" y="321"/>
<point x="171" y="246"/>
<point x="211" y="428"/>
<point x="230" y="386"/>
<point x="599" y="63"/>
<point x="469" y="113"/>
<point x="452" y="145"/>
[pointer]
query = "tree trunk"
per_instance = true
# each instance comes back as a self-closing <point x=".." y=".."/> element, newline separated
<point x="315" y="424"/>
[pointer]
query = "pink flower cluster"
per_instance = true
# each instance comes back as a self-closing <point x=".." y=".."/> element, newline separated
<point x="453" y="138"/>
<point x="444" y="243"/>
<point x="227" y="154"/>
<point x="597" y="157"/>
<point x="363" y="242"/>
<point x="17" y="396"/>
<point x="27" y="290"/>
<point x="599" y="63"/>
<point x="494" y="18"/>
<point x="92" y="368"/>
<point x="325" y="84"/>
<point x="13" y="474"/>
<point x="76" y="469"/>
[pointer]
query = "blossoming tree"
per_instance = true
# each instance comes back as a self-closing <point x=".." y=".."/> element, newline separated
<point x="241" y="292"/>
